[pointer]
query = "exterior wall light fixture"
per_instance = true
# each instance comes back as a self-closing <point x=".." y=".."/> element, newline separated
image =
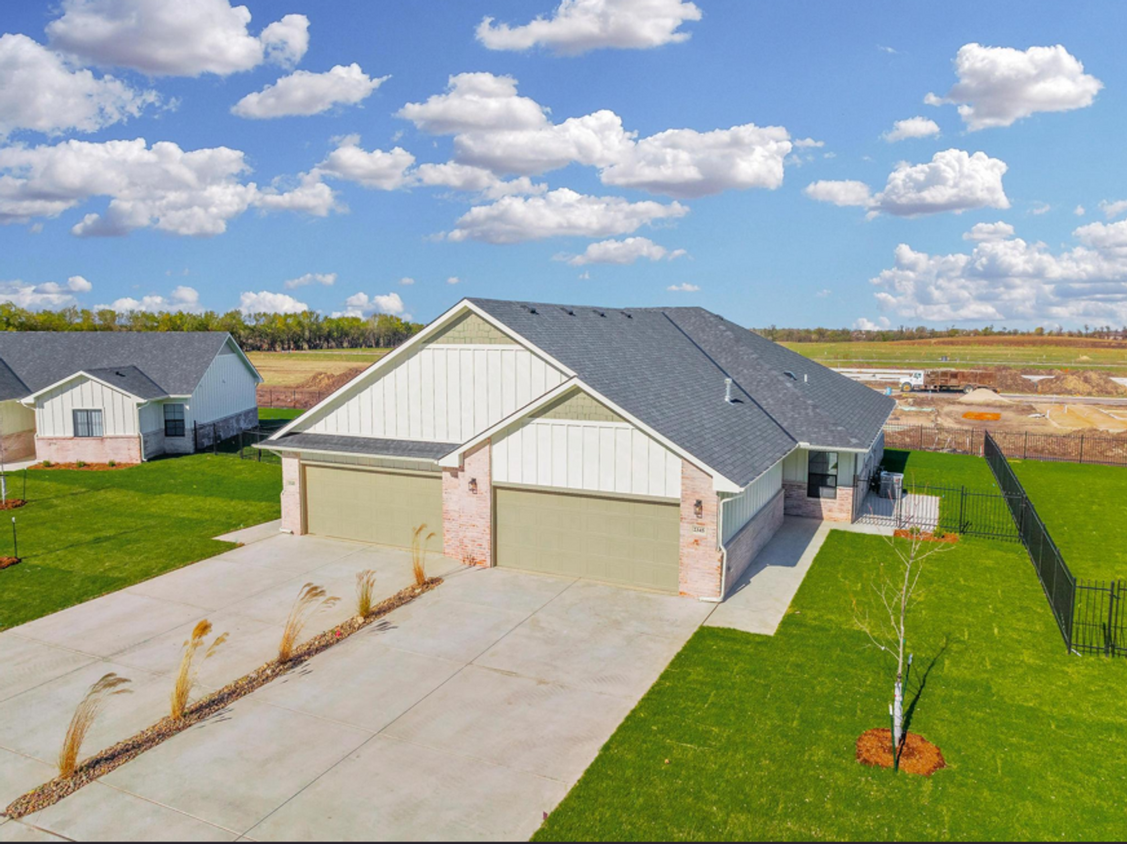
<point x="473" y="486"/>
<point x="698" y="509"/>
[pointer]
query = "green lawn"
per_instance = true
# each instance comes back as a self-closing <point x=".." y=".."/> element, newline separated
<point x="84" y="533"/>
<point x="937" y="469"/>
<point x="1085" y="509"/>
<point x="268" y="413"/>
<point x="749" y="737"/>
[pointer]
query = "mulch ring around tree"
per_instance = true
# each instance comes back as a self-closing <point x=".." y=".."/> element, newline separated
<point x="85" y="467"/>
<point x="8" y="562"/>
<point x="919" y="756"/>
<point x="114" y="757"/>
<point x="925" y="535"/>
<point x="12" y="504"/>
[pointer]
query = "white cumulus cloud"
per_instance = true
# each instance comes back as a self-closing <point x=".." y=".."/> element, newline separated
<point x="181" y="38"/>
<point x="182" y="298"/>
<point x="1113" y="209"/>
<point x="497" y="129"/>
<point x="43" y="92"/>
<point x="303" y="93"/>
<point x="577" y="26"/>
<point x="324" y="279"/>
<point x="466" y="177"/>
<point x="377" y="169"/>
<point x="193" y="192"/>
<point x="989" y="231"/>
<point x="954" y="180"/>
<point x="623" y="252"/>
<point x="559" y="213"/>
<point x="406" y="281"/>
<point x="864" y="324"/>
<point x="684" y="287"/>
<point x="363" y="305"/>
<point x="1000" y="85"/>
<point x="913" y="127"/>
<point x="50" y="294"/>
<point x="1007" y="278"/>
<point x="265" y="302"/>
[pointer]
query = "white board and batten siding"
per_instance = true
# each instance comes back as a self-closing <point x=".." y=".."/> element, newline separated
<point x="54" y="411"/>
<point x="442" y="393"/>
<point x="226" y="388"/>
<point x="741" y="508"/>
<point x="612" y="457"/>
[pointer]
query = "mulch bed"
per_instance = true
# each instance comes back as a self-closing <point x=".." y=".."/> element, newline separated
<point x="925" y="536"/>
<point x="87" y="467"/>
<point x="8" y="562"/>
<point x="918" y="756"/>
<point x="102" y="763"/>
<point x="12" y="504"/>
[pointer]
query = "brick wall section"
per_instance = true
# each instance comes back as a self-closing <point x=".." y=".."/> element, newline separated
<point x="467" y="517"/>
<point x="746" y="545"/>
<point x="89" y="449"/>
<point x="18" y="446"/>
<point x="838" y="509"/>
<point x="291" y="495"/>
<point x="700" y="555"/>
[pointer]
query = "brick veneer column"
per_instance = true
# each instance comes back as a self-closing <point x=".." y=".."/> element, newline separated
<point x="467" y="517"/>
<point x="291" y="495"/>
<point x="700" y="555"/>
<point x="838" y="509"/>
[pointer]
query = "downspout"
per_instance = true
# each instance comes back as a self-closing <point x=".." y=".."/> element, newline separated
<point x="723" y="554"/>
<point x="140" y="433"/>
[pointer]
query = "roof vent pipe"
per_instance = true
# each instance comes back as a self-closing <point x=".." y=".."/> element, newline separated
<point x="805" y="378"/>
<point x="728" y="390"/>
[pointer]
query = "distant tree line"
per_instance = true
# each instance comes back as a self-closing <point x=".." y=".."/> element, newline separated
<point x="255" y="332"/>
<point x="846" y="335"/>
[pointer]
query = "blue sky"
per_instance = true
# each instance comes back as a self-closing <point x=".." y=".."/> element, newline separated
<point x="775" y="252"/>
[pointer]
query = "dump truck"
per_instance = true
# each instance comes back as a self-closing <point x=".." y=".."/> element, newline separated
<point x="936" y="380"/>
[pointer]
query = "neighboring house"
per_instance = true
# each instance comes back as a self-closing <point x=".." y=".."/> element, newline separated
<point x="604" y="443"/>
<point x="97" y="396"/>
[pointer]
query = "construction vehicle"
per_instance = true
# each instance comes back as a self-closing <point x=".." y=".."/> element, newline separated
<point x="937" y="380"/>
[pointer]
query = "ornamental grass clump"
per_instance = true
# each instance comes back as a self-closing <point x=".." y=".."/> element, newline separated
<point x="84" y="718"/>
<point x="186" y="676"/>
<point x="311" y="599"/>
<point x="365" y="593"/>
<point x="419" y="554"/>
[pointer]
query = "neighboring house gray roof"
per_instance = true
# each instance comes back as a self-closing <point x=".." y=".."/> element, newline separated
<point x="666" y="366"/>
<point x="174" y="361"/>
<point x="131" y="379"/>
<point x="368" y="446"/>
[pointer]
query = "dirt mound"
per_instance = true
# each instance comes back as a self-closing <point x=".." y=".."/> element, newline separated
<point x="1084" y="382"/>
<point x="326" y="382"/>
<point x="919" y="756"/>
<point x="984" y="396"/>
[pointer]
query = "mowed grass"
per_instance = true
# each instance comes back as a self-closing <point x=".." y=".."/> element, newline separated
<point x="268" y="414"/>
<point x="84" y="534"/>
<point x="749" y="737"/>
<point x="1085" y="509"/>
<point x="1023" y="352"/>
<point x="926" y="468"/>
<point x="288" y="369"/>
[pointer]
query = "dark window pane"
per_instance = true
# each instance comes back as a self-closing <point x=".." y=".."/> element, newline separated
<point x="174" y="420"/>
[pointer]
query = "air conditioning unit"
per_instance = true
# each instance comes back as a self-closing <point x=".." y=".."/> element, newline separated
<point x="892" y="485"/>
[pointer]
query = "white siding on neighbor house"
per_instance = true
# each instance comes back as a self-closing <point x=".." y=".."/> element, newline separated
<point x="152" y="418"/>
<point x="441" y="393"/>
<point x="54" y="411"/>
<point x="795" y="466"/>
<point x="742" y="508"/>
<point x="227" y="387"/>
<point x="15" y="417"/>
<point x="587" y="455"/>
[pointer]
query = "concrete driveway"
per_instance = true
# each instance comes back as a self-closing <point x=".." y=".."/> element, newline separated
<point x="465" y="715"/>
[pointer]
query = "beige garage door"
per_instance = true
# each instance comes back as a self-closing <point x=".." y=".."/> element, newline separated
<point x="379" y="507"/>
<point x="619" y="541"/>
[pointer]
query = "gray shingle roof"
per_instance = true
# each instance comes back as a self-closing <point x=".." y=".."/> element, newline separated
<point x="368" y="446"/>
<point x="131" y="379"/>
<point x="174" y="361"/>
<point x="666" y="366"/>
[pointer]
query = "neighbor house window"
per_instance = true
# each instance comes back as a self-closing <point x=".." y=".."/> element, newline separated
<point x="88" y="423"/>
<point x="174" y="420"/>
<point x="821" y="476"/>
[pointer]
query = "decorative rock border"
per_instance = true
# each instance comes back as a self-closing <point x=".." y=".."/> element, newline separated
<point x="114" y="757"/>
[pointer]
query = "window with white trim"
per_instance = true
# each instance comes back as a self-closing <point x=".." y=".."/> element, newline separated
<point x="821" y="475"/>
<point x="88" y="423"/>
<point x="174" y="420"/>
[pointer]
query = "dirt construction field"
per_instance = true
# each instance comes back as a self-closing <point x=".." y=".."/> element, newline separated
<point x="983" y="409"/>
<point x="300" y="369"/>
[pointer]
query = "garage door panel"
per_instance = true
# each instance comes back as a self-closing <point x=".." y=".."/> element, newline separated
<point x="382" y="508"/>
<point x="630" y="542"/>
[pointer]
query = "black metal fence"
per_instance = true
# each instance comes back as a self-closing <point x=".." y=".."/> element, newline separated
<point x="1089" y="613"/>
<point x="249" y="439"/>
<point x="946" y="509"/>
<point x="290" y="397"/>
<point x="1103" y="449"/>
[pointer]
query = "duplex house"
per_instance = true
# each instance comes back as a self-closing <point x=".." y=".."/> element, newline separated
<point x="97" y="396"/>
<point x="653" y="447"/>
